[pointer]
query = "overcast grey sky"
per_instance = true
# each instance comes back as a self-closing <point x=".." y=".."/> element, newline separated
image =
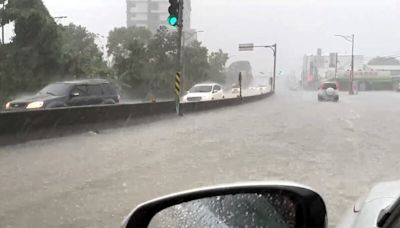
<point x="298" y="26"/>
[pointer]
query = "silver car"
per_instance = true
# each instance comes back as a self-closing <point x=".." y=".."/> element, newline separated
<point x="379" y="208"/>
<point x="328" y="91"/>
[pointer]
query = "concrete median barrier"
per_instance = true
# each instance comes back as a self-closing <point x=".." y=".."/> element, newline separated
<point x="22" y="126"/>
<point x="207" y="105"/>
<point x="17" y="127"/>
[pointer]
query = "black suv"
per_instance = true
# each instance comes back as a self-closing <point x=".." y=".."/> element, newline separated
<point x="72" y="93"/>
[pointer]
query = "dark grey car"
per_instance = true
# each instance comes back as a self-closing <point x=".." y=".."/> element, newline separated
<point x="71" y="93"/>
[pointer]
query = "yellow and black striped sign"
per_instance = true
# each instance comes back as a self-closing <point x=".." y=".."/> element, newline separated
<point x="178" y="79"/>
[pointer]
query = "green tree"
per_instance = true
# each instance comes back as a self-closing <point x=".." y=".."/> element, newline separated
<point x="120" y="38"/>
<point x="162" y="53"/>
<point x="130" y="67"/>
<point x="197" y="68"/>
<point x="217" y="61"/>
<point x="240" y="66"/>
<point x="32" y="58"/>
<point x="148" y="64"/>
<point x="80" y="56"/>
<point x="128" y="49"/>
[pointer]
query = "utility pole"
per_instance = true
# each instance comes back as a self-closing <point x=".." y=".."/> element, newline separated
<point x="2" y="25"/>
<point x="336" y="65"/>
<point x="180" y="56"/>
<point x="240" y="85"/>
<point x="274" y="48"/>
<point x="180" y="33"/>
<point x="176" y="19"/>
<point x="352" y="66"/>
<point x="351" y="40"/>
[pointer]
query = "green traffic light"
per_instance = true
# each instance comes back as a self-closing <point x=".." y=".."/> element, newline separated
<point x="172" y="20"/>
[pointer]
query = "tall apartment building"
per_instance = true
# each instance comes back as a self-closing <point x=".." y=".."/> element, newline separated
<point x="152" y="14"/>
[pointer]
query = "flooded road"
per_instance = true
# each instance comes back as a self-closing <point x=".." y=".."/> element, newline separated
<point x="93" y="180"/>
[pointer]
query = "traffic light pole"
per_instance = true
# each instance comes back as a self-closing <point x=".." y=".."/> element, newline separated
<point x="180" y="33"/>
<point x="179" y="55"/>
<point x="240" y="85"/>
<point x="336" y="65"/>
<point x="274" y="48"/>
<point x="2" y="26"/>
<point x="352" y="66"/>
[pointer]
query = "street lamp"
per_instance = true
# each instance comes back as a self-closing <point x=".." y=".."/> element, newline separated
<point x="336" y="64"/>
<point x="351" y="40"/>
<point x="2" y="26"/>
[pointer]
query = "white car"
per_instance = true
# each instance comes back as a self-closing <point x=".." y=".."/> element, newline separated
<point x="236" y="90"/>
<point x="204" y="92"/>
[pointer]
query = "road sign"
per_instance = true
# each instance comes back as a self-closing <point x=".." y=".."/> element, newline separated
<point x="178" y="90"/>
<point x="246" y="47"/>
<point x="178" y="78"/>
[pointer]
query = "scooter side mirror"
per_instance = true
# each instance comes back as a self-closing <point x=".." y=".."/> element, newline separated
<point x="240" y="205"/>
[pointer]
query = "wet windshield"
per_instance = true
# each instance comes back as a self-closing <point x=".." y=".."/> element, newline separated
<point x="58" y="89"/>
<point x="201" y="89"/>
<point x="223" y="91"/>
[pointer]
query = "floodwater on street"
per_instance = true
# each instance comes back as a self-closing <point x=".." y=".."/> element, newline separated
<point x="94" y="180"/>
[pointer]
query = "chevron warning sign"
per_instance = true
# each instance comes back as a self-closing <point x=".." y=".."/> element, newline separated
<point x="178" y="79"/>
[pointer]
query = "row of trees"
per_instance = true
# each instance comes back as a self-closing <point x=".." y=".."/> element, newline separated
<point x="147" y="62"/>
<point x="142" y="63"/>
<point x="43" y="51"/>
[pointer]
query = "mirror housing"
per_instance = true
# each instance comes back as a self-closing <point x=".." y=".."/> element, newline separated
<point x="215" y="91"/>
<point x="311" y="209"/>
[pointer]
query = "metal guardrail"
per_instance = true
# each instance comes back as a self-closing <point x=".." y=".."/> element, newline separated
<point x="17" y="127"/>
